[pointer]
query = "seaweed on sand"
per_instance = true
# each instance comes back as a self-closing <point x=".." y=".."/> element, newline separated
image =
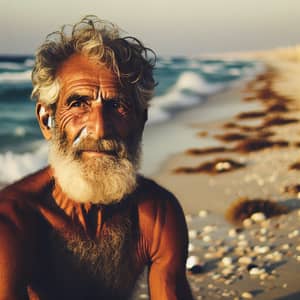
<point x="217" y="166"/>
<point x="243" y="208"/>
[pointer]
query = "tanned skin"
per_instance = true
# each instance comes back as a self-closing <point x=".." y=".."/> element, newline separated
<point x="40" y="225"/>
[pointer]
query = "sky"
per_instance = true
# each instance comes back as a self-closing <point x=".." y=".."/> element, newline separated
<point x="184" y="27"/>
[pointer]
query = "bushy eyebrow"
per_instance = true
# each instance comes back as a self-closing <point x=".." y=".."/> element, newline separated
<point x="77" y="97"/>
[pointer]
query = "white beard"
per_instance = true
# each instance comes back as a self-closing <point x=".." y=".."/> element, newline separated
<point x="101" y="180"/>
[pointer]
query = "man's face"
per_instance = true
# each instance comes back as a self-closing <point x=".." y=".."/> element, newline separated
<point x="92" y="105"/>
<point x="94" y="148"/>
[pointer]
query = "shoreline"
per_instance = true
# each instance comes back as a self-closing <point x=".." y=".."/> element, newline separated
<point x="176" y="133"/>
<point x="272" y="246"/>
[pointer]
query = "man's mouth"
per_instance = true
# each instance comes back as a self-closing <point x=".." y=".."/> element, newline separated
<point x="96" y="153"/>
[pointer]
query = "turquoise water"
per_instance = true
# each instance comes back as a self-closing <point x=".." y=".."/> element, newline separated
<point x="182" y="83"/>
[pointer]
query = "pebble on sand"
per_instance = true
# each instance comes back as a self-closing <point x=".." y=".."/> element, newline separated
<point x="245" y="260"/>
<point x="258" y="217"/>
<point x="257" y="271"/>
<point x="247" y="222"/>
<point x="193" y="234"/>
<point x="192" y="261"/>
<point x="227" y="261"/>
<point x="247" y="295"/>
<point x="261" y="249"/>
<point x="203" y="213"/>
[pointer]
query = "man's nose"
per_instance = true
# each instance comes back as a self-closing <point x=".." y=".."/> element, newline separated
<point x="99" y="123"/>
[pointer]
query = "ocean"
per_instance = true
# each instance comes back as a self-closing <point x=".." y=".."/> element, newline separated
<point x="183" y="83"/>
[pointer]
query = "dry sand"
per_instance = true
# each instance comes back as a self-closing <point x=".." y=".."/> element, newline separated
<point x="259" y="259"/>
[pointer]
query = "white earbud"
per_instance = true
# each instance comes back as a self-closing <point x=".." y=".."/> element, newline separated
<point x="49" y="122"/>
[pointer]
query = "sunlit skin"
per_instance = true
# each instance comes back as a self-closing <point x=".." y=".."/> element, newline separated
<point x="91" y="98"/>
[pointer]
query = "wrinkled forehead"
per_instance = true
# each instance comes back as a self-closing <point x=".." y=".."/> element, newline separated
<point x="78" y="70"/>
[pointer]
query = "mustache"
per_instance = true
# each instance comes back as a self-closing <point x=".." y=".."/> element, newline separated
<point x="112" y="146"/>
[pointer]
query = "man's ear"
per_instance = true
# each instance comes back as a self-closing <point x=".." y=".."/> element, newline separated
<point x="45" y="119"/>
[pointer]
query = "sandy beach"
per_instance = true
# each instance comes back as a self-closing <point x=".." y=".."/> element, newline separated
<point x="250" y="151"/>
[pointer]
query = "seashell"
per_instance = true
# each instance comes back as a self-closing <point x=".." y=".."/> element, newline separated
<point x="222" y="166"/>
<point x="227" y="271"/>
<point x="208" y="228"/>
<point x="258" y="217"/>
<point x="261" y="249"/>
<point x="257" y="271"/>
<point x="263" y="231"/>
<point x="293" y="234"/>
<point x="192" y="261"/>
<point x="216" y="276"/>
<point x="241" y="237"/>
<point x="203" y="213"/>
<point x="275" y="256"/>
<point x="245" y="260"/>
<point x="247" y="222"/>
<point x="247" y="295"/>
<point x="265" y="224"/>
<point x="232" y="232"/>
<point x="206" y="238"/>
<point x="263" y="276"/>
<point x="262" y="239"/>
<point x="285" y="247"/>
<point x="188" y="218"/>
<point x="191" y="247"/>
<point x="227" y="261"/>
<point x="193" y="234"/>
<point x="243" y="244"/>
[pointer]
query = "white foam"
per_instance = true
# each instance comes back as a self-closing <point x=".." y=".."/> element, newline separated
<point x="29" y="62"/>
<point x="15" y="77"/>
<point x="15" y="166"/>
<point x="210" y="68"/>
<point x="193" y="82"/>
<point x="157" y="115"/>
<point x="174" y="99"/>
<point x="234" y="71"/>
<point x="187" y="91"/>
<point x="11" y="66"/>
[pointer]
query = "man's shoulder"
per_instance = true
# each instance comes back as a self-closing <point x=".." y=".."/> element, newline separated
<point x="161" y="218"/>
<point x="154" y="200"/>
<point x="24" y="193"/>
<point x="31" y="183"/>
<point x="152" y="193"/>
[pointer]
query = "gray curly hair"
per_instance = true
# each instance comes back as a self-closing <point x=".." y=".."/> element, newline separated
<point x="125" y="56"/>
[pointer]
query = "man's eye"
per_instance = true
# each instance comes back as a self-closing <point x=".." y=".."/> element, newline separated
<point x="78" y="104"/>
<point x="115" y="104"/>
<point x="118" y="106"/>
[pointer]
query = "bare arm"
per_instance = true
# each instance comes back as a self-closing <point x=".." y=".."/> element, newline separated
<point x="12" y="275"/>
<point x="167" y="277"/>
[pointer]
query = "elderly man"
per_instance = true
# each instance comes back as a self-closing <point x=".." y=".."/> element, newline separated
<point x="86" y="226"/>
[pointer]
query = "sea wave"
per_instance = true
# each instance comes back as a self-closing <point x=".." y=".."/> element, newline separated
<point x="188" y="90"/>
<point x="29" y="62"/>
<point x="14" y="166"/>
<point x="11" y="66"/>
<point x="15" y="77"/>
